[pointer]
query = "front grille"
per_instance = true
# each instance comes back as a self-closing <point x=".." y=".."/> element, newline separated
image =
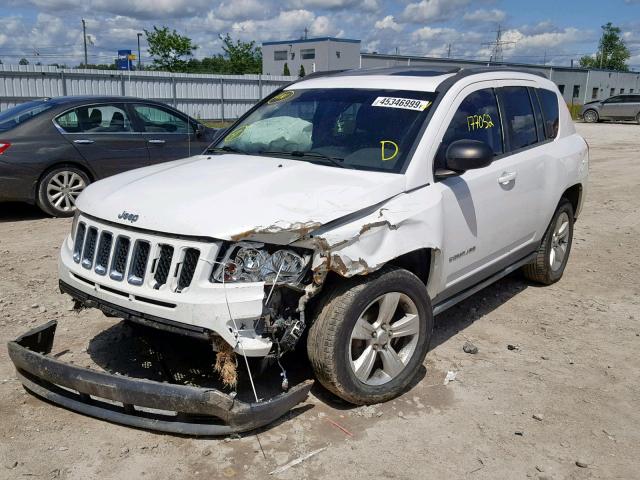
<point x="104" y="250"/>
<point x="124" y="255"/>
<point x="89" y="248"/>
<point x="138" y="263"/>
<point x="79" y="241"/>
<point x="163" y="266"/>
<point x="189" y="263"/>
<point x="119" y="261"/>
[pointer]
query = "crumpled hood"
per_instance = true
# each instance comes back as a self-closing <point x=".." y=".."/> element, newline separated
<point x="234" y="197"/>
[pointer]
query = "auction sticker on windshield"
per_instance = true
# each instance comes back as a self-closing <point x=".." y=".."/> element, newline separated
<point x="406" y="103"/>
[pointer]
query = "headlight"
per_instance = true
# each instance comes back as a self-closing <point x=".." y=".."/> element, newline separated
<point x="254" y="263"/>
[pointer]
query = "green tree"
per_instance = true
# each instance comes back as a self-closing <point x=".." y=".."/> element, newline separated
<point x="23" y="61"/>
<point x="286" y="71"/>
<point x="612" y="52"/>
<point x="301" y="72"/>
<point x="242" y="57"/>
<point x="168" y="49"/>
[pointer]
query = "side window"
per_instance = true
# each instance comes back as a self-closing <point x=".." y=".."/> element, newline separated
<point x="69" y="122"/>
<point x="477" y="118"/>
<point x="157" y="120"/>
<point x="550" y="112"/>
<point x="518" y="119"/>
<point x="96" y="119"/>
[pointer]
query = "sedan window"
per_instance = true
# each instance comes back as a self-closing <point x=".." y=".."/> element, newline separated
<point x="95" y="119"/>
<point x="158" y="120"/>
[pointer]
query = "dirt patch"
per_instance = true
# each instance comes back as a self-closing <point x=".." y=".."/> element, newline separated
<point x="575" y="369"/>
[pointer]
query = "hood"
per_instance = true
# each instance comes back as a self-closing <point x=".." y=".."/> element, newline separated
<point x="233" y="197"/>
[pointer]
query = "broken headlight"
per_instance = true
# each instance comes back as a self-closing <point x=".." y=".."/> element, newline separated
<point x="247" y="262"/>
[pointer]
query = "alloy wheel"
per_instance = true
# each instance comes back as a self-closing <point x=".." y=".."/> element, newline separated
<point x="63" y="190"/>
<point x="384" y="338"/>
<point x="559" y="242"/>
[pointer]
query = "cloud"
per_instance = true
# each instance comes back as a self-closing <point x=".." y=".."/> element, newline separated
<point x="485" y="16"/>
<point x="334" y="4"/>
<point x="432" y="10"/>
<point x="242" y="9"/>
<point x="388" y="22"/>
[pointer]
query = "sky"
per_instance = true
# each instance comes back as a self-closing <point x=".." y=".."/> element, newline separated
<point x="555" y="31"/>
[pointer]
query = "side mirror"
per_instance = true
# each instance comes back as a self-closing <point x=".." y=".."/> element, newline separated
<point x="200" y="129"/>
<point x="463" y="155"/>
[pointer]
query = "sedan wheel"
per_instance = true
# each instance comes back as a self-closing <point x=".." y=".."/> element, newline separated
<point x="590" y="116"/>
<point x="60" y="189"/>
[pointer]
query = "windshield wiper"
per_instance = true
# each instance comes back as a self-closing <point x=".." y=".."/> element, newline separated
<point x="337" y="161"/>
<point x="227" y="149"/>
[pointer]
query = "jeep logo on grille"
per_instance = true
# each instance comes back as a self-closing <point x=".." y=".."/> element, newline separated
<point x="131" y="217"/>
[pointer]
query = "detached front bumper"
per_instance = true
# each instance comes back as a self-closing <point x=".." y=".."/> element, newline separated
<point x="140" y="403"/>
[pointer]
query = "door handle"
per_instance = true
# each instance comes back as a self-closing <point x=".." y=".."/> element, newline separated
<point x="83" y="141"/>
<point x="507" y="177"/>
<point x="156" y="141"/>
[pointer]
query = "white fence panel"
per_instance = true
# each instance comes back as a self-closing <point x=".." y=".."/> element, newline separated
<point x="202" y="96"/>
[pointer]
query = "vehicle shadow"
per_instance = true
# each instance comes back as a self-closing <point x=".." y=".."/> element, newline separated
<point x="16" y="212"/>
<point x="459" y="317"/>
<point x="142" y="352"/>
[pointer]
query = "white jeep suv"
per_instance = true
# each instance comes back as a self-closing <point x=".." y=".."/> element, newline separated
<point x="352" y="205"/>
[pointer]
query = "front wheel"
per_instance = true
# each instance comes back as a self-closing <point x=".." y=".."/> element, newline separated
<point x="590" y="116"/>
<point x="371" y="336"/>
<point x="59" y="189"/>
<point x="553" y="253"/>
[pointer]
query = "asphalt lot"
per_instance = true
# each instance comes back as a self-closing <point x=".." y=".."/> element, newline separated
<point x="575" y="369"/>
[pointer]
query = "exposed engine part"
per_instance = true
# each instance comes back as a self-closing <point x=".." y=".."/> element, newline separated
<point x="292" y="334"/>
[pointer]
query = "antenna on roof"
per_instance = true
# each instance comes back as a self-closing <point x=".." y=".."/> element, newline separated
<point x="306" y="33"/>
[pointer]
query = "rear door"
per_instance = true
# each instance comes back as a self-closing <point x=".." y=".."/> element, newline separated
<point x="613" y="107"/>
<point x="167" y="133"/>
<point x="104" y="135"/>
<point x="631" y="105"/>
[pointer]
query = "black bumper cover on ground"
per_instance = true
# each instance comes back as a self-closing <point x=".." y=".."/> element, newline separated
<point x="136" y="402"/>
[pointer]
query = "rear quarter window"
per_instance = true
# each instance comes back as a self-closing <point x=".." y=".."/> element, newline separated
<point x="550" y="112"/>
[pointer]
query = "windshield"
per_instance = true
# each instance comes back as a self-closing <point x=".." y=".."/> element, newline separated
<point x="21" y="113"/>
<point x="350" y="128"/>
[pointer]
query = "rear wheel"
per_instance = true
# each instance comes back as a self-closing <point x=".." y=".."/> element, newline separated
<point x="554" y="250"/>
<point x="590" y="116"/>
<point x="59" y="189"/>
<point x="371" y="336"/>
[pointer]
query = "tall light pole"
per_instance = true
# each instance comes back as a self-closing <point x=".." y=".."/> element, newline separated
<point x="139" y="57"/>
<point x="84" y="37"/>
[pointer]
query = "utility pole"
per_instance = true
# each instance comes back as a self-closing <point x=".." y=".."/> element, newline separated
<point x="139" y="56"/>
<point x="306" y="32"/>
<point x="449" y="51"/>
<point x="84" y="37"/>
<point x="544" y="59"/>
<point x="497" y="46"/>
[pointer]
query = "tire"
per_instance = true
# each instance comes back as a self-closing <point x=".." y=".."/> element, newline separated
<point x="638" y="119"/>
<point x="591" y="116"/>
<point x="331" y="348"/>
<point x="548" y="267"/>
<point x="59" y="189"/>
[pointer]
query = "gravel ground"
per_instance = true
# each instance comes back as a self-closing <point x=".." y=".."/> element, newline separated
<point x="562" y="404"/>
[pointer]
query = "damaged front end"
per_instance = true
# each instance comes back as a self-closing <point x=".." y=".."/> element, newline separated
<point x="140" y="403"/>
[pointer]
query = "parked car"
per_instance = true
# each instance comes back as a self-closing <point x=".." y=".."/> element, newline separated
<point x="618" y="107"/>
<point x="51" y="149"/>
<point x="353" y="206"/>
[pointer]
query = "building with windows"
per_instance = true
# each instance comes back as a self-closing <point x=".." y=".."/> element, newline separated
<point x="578" y="85"/>
<point x="315" y="54"/>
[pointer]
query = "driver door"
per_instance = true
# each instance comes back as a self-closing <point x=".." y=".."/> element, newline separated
<point x="483" y="208"/>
